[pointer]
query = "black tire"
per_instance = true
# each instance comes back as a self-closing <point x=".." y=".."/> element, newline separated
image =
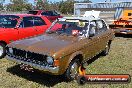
<point x="67" y="74"/>
<point x="2" y="50"/>
<point x="107" y="49"/>
<point x="81" y="80"/>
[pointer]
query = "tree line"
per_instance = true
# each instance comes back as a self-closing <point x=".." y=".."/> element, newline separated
<point x="65" y="7"/>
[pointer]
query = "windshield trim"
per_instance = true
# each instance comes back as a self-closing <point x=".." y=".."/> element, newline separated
<point x="68" y="30"/>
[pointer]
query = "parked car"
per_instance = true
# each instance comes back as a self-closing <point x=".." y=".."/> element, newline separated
<point x="15" y="27"/>
<point x="122" y="26"/>
<point x="51" y="15"/>
<point x="68" y="43"/>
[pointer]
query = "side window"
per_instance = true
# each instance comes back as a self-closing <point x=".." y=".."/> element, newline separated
<point x="38" y="21"/>
<point x="50" y="13"/>
<point x="92" y="28"/>
<point x="101" y="26"/>
<point x="45" y="13"/>
<point x="26" y="22"/>
<point x="55" y="13"/>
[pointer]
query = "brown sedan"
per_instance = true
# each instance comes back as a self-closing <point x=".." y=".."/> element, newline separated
<point x="69" y="42"/>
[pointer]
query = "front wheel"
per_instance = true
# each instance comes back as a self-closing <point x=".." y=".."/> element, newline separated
<point x="2" y="50"/>
<point x="72" y="70"/>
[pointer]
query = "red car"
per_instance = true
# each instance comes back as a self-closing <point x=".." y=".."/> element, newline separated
<point x="51" y="15"/>
<point x="15" y="27"/>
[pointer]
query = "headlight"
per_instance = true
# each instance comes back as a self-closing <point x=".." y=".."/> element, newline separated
<point x="50" y="60"/>
<point x="11" y="50"/>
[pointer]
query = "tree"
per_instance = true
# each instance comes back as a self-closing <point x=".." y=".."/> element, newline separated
<point x="18" y="5"/>
<point x="1" y="4"/>
<point x="1" y="7"/>
<point x="67" y="7"/>
<point x="42" y="5"/>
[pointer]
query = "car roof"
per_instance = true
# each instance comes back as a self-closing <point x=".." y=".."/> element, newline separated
<point x="22" y="15"/>
<point x="89" y="18"/>
<point x="41" y="10"/>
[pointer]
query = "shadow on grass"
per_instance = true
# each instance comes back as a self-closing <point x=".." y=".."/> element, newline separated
<point x="41" y="77"/>
<point x="90" y="61"/>
<point x="124" y="35"/>
<point x="37" y="76"/>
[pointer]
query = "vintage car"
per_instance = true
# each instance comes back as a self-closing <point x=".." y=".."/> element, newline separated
<point x="51" y="15"/>
<point x="19" y="26"/>
<point x="68" y="43"/>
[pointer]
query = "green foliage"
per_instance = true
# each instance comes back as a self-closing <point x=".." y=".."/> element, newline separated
<point x="40" y="5"/>
<point x="65" y="7"/>
<point x="1" y="7"/>
<point x="18" y="5"/>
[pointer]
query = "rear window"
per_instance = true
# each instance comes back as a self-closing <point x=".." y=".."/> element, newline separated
<point x="33" y="12"/>
<point x="27" y="22"/>
<point x="38" y="21"/>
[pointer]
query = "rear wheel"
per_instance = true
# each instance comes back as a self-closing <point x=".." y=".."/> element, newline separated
<point x="72" y="70"/>
<point x="107" y="49"/>
<point x="2" y="50"/>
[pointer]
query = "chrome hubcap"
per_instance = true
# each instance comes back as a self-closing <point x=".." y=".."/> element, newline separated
<point x="74" y="70"/>
<point x="1" y="50"/>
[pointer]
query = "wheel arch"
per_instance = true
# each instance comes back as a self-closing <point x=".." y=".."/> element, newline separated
<point x="77" y="55"/>
<point x="3" y="42"/>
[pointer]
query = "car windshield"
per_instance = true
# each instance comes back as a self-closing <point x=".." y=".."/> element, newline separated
<point x="68" y="27"/>
<point x="8" y="21"/>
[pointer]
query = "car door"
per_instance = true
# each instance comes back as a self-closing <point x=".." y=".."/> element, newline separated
<point x="98" y="36"/>
<point x="26" y="27"/>
<point x="103" y="34"/>
<point x="90" y="43"/>
<point x="40" y="25"/>
<point x="93" y="39"/>
<point x="8" y="29"/>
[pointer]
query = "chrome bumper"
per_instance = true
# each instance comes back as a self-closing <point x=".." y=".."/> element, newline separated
<point x="36" y="66"/>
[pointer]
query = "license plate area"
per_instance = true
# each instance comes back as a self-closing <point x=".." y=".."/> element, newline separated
<point x="26" y="67"/>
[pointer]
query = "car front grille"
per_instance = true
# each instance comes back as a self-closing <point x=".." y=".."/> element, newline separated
<point x="28" y="56"/>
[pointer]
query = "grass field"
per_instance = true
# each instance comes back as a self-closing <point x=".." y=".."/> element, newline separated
<point x="119" y="61"/>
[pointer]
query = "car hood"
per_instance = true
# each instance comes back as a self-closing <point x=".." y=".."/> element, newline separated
<point x="44" y="44"/>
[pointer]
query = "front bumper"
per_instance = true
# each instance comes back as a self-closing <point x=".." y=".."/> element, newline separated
<point x="52" y="70"/>
<point x="123" y="31"/>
